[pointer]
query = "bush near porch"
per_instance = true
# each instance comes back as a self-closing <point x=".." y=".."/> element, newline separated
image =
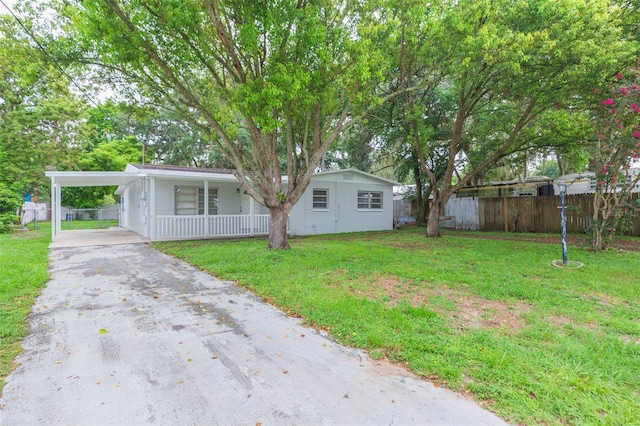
<point x="481" y="313"/>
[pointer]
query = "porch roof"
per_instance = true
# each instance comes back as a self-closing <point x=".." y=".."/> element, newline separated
<point x="76" y="179"/>
<point x="181" y="172"/>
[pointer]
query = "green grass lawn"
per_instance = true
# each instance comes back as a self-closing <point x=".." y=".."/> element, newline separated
<point x="23" y="273"/>
<point x="88" y="224"/>
<point x="489" y="318"/>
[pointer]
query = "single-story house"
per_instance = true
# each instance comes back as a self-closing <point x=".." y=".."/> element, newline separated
<point x="168" y="202"/>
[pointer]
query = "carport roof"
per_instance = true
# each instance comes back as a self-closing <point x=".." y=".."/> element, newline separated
<point x="67" y="179"/>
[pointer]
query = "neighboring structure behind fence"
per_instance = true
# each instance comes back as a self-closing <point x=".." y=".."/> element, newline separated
<point x="34" y="212"/>
<point x="402" y="207"/>
<point x="464" y="212"/>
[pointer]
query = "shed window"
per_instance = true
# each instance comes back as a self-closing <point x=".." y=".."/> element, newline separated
<point x="320" y="198"/>
<point x="189" y="200"/>
<point x="369" y="199"/>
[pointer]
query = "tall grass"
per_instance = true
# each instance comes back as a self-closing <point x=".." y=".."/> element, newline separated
<point x="23" y="273"/>
<point x="489" y="318"/>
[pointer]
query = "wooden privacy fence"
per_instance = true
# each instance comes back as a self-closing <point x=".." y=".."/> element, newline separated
<point x="539" y="214"/>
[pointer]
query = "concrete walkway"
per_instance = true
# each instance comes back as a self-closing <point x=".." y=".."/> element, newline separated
<point x="126" y="335"/>
<point x="96" y="237"/>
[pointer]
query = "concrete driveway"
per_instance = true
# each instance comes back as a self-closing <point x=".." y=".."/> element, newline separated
<point x="126" y="335"/>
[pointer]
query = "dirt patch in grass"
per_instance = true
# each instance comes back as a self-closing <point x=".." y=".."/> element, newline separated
<point x="24" y="234"/>
<point x="407" y="246"/>
<point x="630" y="339"/>
<point x="559" y="320"/>
<point x="605" y="300"/>
<point x="465" y="311"/>
<point x="475" y="312"/>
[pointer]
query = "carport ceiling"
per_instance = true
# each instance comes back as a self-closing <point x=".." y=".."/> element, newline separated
<point x="67" y="179"/>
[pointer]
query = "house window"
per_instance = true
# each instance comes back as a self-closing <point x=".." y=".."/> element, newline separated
<point x="189" y="200"/>
<point x="320" y="198"/>
<point x="369" y="199"/>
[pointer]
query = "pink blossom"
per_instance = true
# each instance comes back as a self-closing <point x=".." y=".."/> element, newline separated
<point x="607" y="102"/>
<point x="623" y="90"/>
<point x="603" y="136"/>
<point x="636" y="134"/>
<point x="634" y="107"/>
<point x="619" y="76"/>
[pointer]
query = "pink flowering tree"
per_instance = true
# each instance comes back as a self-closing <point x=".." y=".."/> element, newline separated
<point x="616" y="149"/>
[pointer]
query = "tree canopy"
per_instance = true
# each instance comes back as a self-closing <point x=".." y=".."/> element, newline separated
<point x="506" y="64"/>
<point x="267" y="81"/>
<point x="37" y="112"/>
<point x="450" y="92"/>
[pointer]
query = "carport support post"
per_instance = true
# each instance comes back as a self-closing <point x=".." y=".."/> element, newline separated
<point x="54" y="203"/>
<point x="206" y="208"/>
<point x="58" y="209"/>
<point x="151" y="209"/>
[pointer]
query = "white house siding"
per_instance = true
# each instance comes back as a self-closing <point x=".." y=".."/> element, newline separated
<point x="231" y="196"/>
<point x="153" y="214"/>
<point x="134" y="207"/>
<point x="342" y="213"/>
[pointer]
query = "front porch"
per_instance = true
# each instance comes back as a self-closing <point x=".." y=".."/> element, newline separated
<point x="170" y="203"/>
<point x="189" y="227"/>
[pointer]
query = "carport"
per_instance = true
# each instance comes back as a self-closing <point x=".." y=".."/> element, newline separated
<point x="61" y="180"/>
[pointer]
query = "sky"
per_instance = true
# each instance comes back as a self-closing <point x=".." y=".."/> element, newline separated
<point x="9" y="3"/>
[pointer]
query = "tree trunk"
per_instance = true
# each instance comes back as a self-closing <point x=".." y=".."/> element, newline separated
<point x="425" y="206"/>
<point x="420" y="205"/>
<point x="420" y="212"/>
<point x="599" y="222"/>
<point x="560" y="165"/>
<point x="433" y="222"/>
<point x="278" y="238"/>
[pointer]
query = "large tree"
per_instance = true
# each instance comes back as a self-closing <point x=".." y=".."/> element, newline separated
<point x="38" y="114"/>
<point x="268" y="79"/>
<point x="507" y="63"/>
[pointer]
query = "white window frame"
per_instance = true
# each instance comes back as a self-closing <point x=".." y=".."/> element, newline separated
<point x="189" y="200"/>
<point x="370" y="200"/>
<point x="317" y="195"/>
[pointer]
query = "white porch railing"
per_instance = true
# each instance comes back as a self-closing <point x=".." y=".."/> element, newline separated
<point x="183" y="227"/>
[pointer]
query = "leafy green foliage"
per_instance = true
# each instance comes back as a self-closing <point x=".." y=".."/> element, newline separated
<point x="285" y="76"/>
<point x="37" y="113"/>
<point x="506" y="64"/>
<point x="10" y="201"/>
<point x="107" y="156"/>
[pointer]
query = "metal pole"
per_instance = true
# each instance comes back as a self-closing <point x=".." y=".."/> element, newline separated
<point x="563" y="221"/>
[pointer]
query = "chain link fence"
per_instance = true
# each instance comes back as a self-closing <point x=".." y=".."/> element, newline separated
<point x="32" y="214"/>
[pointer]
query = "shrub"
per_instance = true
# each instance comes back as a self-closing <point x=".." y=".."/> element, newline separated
<point x="10" y="201"/>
